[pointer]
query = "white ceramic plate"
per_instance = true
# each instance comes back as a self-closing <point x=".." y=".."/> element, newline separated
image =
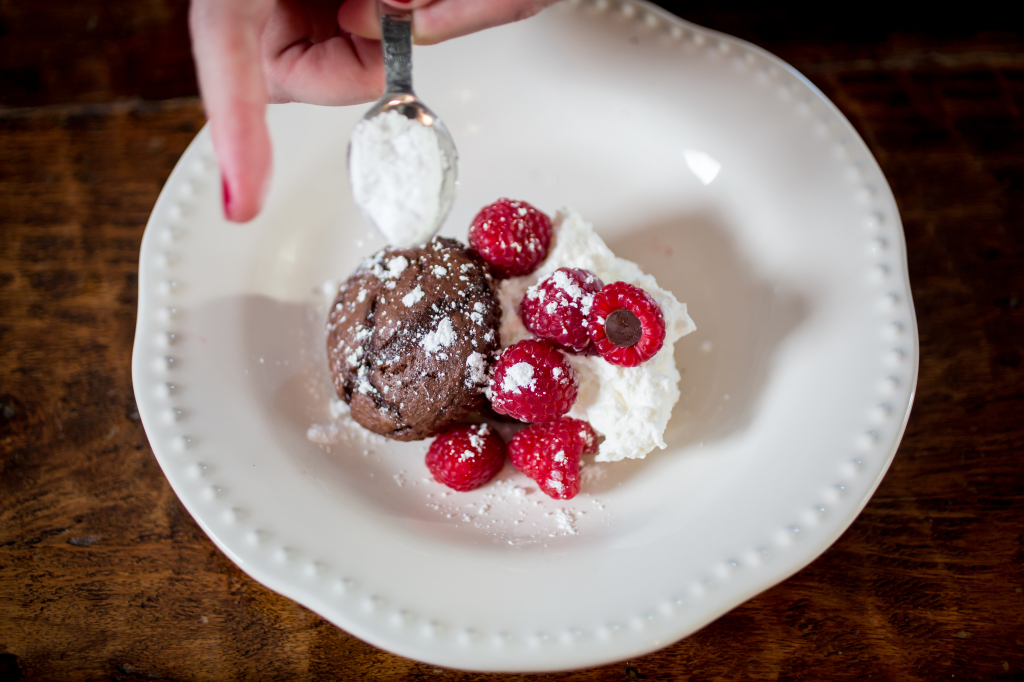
<point x="710" y="163"/>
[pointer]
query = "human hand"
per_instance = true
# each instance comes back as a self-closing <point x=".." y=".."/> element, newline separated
<point x="251" y="52"/>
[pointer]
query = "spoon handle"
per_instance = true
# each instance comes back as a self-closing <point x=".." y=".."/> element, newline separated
<point x="396" y="29"/>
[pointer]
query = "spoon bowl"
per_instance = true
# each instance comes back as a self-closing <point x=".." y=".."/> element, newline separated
<point x="396" y="30"/>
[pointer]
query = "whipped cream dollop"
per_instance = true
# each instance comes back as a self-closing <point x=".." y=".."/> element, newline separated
<point x="629" y="406"/>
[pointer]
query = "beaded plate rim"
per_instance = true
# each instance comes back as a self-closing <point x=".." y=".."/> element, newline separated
<point x="296" y="572"/>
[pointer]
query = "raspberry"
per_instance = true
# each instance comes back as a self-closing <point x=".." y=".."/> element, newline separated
<point x="533" y="382"/>
<point x="585" y="434"/>
<point x="549" y="453"/>
<point x="557" y="307"/>
<point x="626" y="324"/>
<point x="512" y="236"/>
<point x="466" y="456"/>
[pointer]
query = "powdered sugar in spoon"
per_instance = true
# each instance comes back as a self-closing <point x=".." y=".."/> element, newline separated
<point x="402" y="160"/>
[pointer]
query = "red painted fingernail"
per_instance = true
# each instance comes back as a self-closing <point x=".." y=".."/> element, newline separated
<point x="226" y="193"/>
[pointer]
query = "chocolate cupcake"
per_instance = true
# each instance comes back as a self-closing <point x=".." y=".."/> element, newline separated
<point x="411" y="337"/>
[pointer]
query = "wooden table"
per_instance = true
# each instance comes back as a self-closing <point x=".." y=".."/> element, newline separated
<point x="104" y="575"/>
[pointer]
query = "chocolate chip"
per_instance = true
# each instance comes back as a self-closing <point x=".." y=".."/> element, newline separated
<point x="623" y="328"/>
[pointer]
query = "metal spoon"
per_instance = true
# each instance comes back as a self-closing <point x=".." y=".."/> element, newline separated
<point x="396" y="29"/>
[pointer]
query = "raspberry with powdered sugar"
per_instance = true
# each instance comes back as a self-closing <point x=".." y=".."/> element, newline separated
<point x="466" y="456"/>
<point x="558" y="306"/>
<point x="512" y="236"/>
<point x="549" y="453"/>
<point x="533" y="382"/>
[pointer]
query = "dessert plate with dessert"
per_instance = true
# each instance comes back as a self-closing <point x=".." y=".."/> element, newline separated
<point x="656" y="362"/>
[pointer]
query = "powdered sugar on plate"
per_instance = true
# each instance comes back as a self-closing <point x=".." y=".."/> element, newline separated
<point x="512" y="509"/>
<point x="342" y="428"/>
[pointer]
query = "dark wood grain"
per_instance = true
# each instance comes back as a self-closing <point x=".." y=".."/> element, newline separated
<point x="103" y="575"/>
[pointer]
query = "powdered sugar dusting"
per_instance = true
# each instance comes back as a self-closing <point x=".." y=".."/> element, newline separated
<point x="413" y="297"/>
<point x="476" y="370"/>
<point x="518" y="377"/>
<point x="566" y="521"/>
<point x="509" y="511"/>
<point x="442" y="337"/>
<point x="570" y="287"/>
<point x="342" y="428"/>
<point x="396" y="266"/>
<point x="513" y="511"/>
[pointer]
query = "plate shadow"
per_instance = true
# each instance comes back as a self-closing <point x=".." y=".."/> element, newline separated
<point x="742" y="319"/>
